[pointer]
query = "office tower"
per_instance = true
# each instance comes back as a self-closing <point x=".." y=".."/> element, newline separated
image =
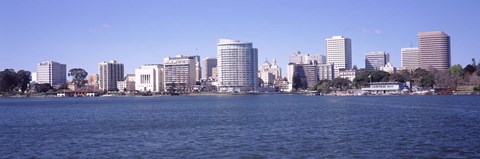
<point x="375" y="60"/>
<point x="237" y="66"/>
<point x="51" y="72"/>
<point x="180" y="72"/>
<point x="410" y="58"/>
<point x="109" y="73"/>
<point x="149" y="77"/>
<point x="207" y="65"/>
<point x="339" y="53"/>
<point x="434" y="50"/>
<point x="311" y="73"/>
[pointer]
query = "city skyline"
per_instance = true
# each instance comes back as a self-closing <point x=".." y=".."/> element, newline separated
<point x="80" y="34"/>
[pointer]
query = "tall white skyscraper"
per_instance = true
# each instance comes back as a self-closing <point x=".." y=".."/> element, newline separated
<point x="410" y="58"/>
<point x="109" y="73"/>
<point x="51" y="72"/>
<point x="375" y="60"/>
<point x="180" y="72"/>
<point x="149" y="77"/>
<point x="339" y="53"/>
<point x="207" y="65"/>
<point x="237" y="66"/>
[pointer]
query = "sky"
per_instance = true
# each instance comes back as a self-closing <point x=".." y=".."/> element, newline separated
<point x="82" y="33"/>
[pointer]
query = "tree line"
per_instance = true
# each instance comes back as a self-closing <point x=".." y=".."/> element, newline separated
<point x="14" y="81"/>
<point x="426" y="78"/>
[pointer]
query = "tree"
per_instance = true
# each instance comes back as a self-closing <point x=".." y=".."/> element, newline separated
<point x="340" y="83"/>
<point x="78" y="76"/>
<point x="379" y="76"/>
<point x="427" y="81"/>
<point x="396" y="77"/>
<point x="456" y="72"/>
<point x="42" y="88"/>
<point x="63" y="86"/>
<point x="8" y="80"/>
<point x="361" y="78"/>
<point x="299" y="83"/>
<point x="23" y="79"/>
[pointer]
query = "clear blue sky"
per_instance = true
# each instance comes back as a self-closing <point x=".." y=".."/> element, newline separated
<point x="82" y="33"/>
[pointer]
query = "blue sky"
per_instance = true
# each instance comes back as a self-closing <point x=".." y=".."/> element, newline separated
<point x="82" y="33"/>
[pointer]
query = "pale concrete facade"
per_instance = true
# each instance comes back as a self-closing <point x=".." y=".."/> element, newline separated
<point x="149" y="77"/>
<point x="108" y="74"/>
<point x="339" y="53"/>
<point x="51" y="72"/>
<point x="434" y="49"/>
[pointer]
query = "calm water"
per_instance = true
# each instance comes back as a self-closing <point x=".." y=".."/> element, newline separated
<point x="267" y="126"/>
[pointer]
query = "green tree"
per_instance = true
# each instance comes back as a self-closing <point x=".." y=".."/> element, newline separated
<point x="341" y="83"/>
<point x="8" y="80"/>
<point x="42" y="88"/>
<point x="396" y="77"/>
<point x="23" y="79"/>
<point x="456" y="72"/>
<point x="78" y="76"/>
<point x="362" y="78"/>
<point x="379" y="76"/>
<point x="427" y="81"/>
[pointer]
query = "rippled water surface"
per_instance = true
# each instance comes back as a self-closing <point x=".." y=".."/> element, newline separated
<point x="264" y="126"/>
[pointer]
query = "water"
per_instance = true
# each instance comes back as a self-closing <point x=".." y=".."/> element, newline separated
<point x="266" y="126"/>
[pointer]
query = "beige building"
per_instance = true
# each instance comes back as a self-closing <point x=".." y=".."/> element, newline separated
<point x="434" y="50"/>
<point x="339" y="53"/>
<point x="128" y="85"/>
<point x="270" y="72"/>
<point x="410" y="58"/>
<point x="180" y="72"/>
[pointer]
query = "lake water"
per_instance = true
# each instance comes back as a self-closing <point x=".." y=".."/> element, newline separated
<point x="263" y="126"/>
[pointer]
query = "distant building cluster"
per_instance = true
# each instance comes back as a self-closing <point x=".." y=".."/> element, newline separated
<point x="236" y="68"/>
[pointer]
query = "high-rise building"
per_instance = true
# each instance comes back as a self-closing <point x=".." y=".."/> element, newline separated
<point x="237" y="66"/>
<point x="311" y="73"/>
<point x="339" y="53"/>
<point x="375" y="60"/>
<point x="51" y="72"/>
<point x="149" y="77"/>
<point x="207" y="65"/>
<point x="108" y="74"/>
<point x="434" y="50"/>
<point x="180" y="72"/>
<point x="410" y="58"/>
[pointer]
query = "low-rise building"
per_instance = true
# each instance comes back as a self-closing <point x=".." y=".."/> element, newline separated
<point x="347" y="73"/>
<point x="384" y="88"/>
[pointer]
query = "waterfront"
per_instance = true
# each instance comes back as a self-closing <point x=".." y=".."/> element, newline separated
<point x="271" y="126"/>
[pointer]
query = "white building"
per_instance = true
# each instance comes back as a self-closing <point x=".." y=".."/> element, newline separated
<point x="108" y="74"/>
<point x="339" y="53"/>
<point x="348" y="74"/>
<point x="51" y="72"/>
<point x="410" y="58"/>
<point x="388" y="68"/>
<point x="34" y="77"/>
<point x="180" y="72"/>
<point x="375" y="60"/>
<point x="270" y="72"/>
<point x="149" y="77"/>
<point x="207" y="65"/>
<point x="384" y="88"/>
<point x="237" y="66"/>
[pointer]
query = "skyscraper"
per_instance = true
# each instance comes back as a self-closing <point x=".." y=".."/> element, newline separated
<point x="339" y="53"/>
<point x="51" y="72"/>
<point x="207" y="65"/>
<point x="237" y="66"/>
<point x="109" y="73"/>
<point x="375" y="60"/>
<point x="410" y="58"/>
<point x="180" y="72"/>
<point x="434" y="50"/>
<point x="298" y="58"/>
